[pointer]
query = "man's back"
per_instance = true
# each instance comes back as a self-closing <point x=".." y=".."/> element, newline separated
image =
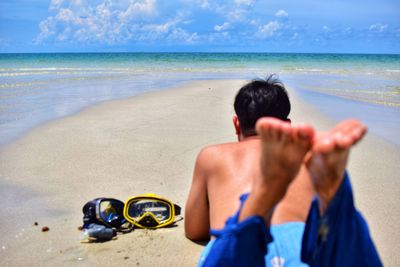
<point x="234" y="166"/>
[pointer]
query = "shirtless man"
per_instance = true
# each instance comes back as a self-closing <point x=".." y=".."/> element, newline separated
<point x="224" y="172"/>
<point x="335" y="235"/>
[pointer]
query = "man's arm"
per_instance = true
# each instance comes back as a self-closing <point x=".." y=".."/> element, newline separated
<point x="197" y="221"/>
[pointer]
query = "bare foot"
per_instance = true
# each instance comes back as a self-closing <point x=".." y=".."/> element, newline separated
<point x="283" y="148"/>
<point x="329" y="158"/>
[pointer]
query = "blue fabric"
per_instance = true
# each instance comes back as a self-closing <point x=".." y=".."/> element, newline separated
<point x="285" y="248"/>
<point x="240" y="243"/>
<point x="205" y="252"/>
<point x="340" y="237"/>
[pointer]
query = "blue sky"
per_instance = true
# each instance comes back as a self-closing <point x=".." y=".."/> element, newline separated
<point x="344" y="26"/>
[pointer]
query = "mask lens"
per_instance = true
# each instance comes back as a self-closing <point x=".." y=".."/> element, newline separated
<point x="160" y="210"/>
<point x="111" y="212"/>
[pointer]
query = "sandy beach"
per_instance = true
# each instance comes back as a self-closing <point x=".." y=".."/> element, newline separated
<point x="149" y="143"/>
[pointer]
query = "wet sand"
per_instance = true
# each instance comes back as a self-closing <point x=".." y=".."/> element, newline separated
<point x="144" y="144"/>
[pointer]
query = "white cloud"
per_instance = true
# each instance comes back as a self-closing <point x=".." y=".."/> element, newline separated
<point x="222" y="27"/>
<point x="254" y="22"/>
<point x="269" y="29"/>
<point x="219" y="37"/>
<point x="378" y="27"/>
<point x="138" y="8"/>
<point x="158" y="29"/>
<point x="237" y="12"/>
<point x="348" y="31"/>
<point x="65" y="15"/>
<point x="244" y="2"/>
<point x="55" y="4"/>
<point x="47" y="28"/>
<point x="111" y="22"/>
<point x="181" y="35"/>
<point x="237" y="15"/>
<point x="64" y="35"/>
<point x="204" y="4"/>
<point x="216" y="7"/>
<point x="281" y="14"/>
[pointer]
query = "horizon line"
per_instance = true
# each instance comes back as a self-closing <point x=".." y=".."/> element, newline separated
<point x="201" y="52"/>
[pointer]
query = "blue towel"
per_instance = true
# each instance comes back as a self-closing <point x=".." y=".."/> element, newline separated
<point x="285" y="249"/>
<point x="239" y="244"/>
<point x="339" y="238"/>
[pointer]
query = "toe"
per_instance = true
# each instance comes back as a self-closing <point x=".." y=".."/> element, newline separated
<point x="324" y="144"/>
<point x="263" y="127"/>
<point x="305" y="131"/>
<point x="286" y="132"/>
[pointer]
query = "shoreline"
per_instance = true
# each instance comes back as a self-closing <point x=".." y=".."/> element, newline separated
<point x="148" y="143"/>
<point x="300" y="93"/>
<point x="44" y="87"/>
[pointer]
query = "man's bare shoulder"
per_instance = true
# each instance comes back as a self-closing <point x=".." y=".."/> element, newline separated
<point x="217" y="149"/>
<point x="225" y="152"/>
<point x="213" y="154"/>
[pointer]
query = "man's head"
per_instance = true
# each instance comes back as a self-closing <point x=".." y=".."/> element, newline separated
<point x="260" y="98"/>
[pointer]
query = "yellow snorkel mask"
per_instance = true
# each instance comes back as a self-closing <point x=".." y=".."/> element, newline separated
<point x="150" y="211"/>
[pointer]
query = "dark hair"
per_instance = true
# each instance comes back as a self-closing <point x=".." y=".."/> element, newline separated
<point x="261" y="98"/>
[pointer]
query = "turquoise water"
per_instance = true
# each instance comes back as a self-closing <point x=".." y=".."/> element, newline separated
<point x="35" y="88"/>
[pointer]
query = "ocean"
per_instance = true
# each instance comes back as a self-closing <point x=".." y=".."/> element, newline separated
<point x="37" y="88"/>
